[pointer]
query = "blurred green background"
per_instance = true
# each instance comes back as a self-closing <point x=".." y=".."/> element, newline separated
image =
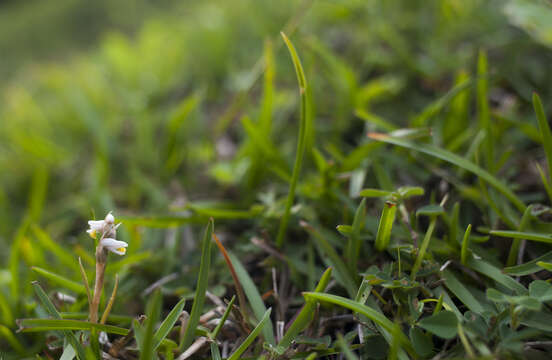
<point x="145" y="108"/>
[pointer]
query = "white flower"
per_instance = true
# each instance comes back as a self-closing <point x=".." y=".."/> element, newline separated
<point x="103" y="226"/>
<point x="115" y="246"/>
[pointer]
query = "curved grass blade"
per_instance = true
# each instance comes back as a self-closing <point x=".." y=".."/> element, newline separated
<point x="219" y="326"/>
<point x="51" y="309"/>
<point x="64" y="256"/>
<point x="251" y="337"/>
<point x="60" y="280"/>
<point x="168" y="324"/>
<point x="461" y="292"/>
<point x="254" y="297"/>
<point x="370" y="313"/>
<point x="496" y="274"/>
<point x="514" y="249"/>
<point x="465" y="245"/>
<point x="544" y="131"/>
<point x="529" y="267"/>
<point x="385" y="225"/>
<point x="147" y="350"/>
<point x="545" y="238"/>
<point x="354" y="243"/>
<point x="455" y="160"/>
<point x="305" y="315"/>
<point x="37" y="325"/>
<point x="423" y="248"/>
<point x="201" y="288"/>
<point x="6" y="334"/>
<point x="301" y="141"/>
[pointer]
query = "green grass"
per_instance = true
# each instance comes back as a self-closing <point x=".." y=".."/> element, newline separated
<point x="331" y="243"/>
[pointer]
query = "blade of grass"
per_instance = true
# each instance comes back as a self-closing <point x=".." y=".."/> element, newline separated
<point x="168" y="323"/>
<point x="52" y="311"/>
<point x="219" y="326"/>
<point x="265" y="319"/>
<point x="237" y="284"/>
<point x="514" y="249"/>
<point x="545" y="238"/>
<point x="461" y="292"/>
<point x="455" y="160"/>
<point x="304" y="317"/>
<point x="300" y="141"/>
<point x="60" y="280"/>
<point x="147" y="351"/>
<point x="6" y="334"/>
<point x="254" y="297"/>
<point x="483" y="110"/>
<point x="111" y="301"/>
<point x="201" y="288"/>
<point x="64" y="256"/>
<point x="85" y="282"/>
<point x="465" y="245"/>
<point x="544" y="131"/>
<point x="325" y="248"/>
<point x="349" y="355"/>
<point x="496" y="274"/>
<point x="529" y="267"/>
<point x="354" y="243"/>
<point x="37" y="325"/>
<point x="370" y="313"/>
<point x="385" y="225"/>
<point x="423" y="248"/>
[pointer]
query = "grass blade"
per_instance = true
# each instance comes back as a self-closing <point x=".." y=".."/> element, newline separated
<point x="36" y="325"/>
<point x="496" y="274"/>
<point x="545" y="238"/>
<point x="147" y="350"/>
<point x="514" y="249"/>
<point x="544" y="131"/>
<point x="219" y="326"/>
<point x="354" y="243"/>
<point x="370" y="313"/>
<point x="305" y="315"/>
<point x="465" y="245"/>
<point x="251" y="337"/>
<point x="325" y="248"/>
<point x="455" y="160"/>
<point x="385" y="225"/>
<point x="301" y="141"/>
<point x="529" y="267"/>
<point x="423" y="248"/>
<point x="254" y="297"/>
<point x="483" y="110"/>
<point x="60" y="280"/>
<point x="201" y="288"/>
<point x="461" y="292"/>
<point x="51" y="309"/>
<point x="168" y="324"/>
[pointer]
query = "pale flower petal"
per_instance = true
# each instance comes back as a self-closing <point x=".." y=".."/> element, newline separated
<point x="109" y="218"/>
<point x="97" y="225"/>
<point x="115" y="246"/>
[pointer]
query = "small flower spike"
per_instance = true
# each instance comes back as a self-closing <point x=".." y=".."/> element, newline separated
<point x="115" y="246"/>
<point x="105" y="226"/>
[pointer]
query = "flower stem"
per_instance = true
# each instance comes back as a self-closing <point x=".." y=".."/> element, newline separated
<point x="101" y="257"/>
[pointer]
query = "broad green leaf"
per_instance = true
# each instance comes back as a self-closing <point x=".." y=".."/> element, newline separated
<point x="443" y="324"/>
<point x="541" y="290"/>
<point x="421" y="342"/>
<point x="461" y="292"/>
<point x="496" y="274"/>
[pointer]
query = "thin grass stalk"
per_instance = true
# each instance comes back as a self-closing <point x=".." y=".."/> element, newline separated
<point x="300" y="140"/>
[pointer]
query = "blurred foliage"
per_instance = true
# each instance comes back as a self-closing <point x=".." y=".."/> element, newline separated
<point x="170" y="118"/>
